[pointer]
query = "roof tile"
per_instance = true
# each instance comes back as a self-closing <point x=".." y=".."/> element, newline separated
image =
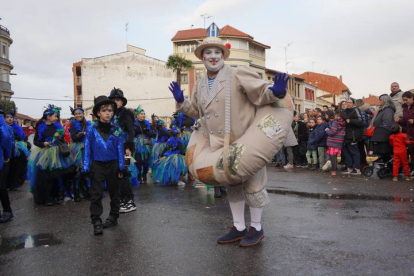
<point x="372" y="100"/>
<point x="190" y="34"/>
<point x="324" y="82"/>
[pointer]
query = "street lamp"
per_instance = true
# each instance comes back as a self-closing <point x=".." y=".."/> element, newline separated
<point x="286" y="63"/>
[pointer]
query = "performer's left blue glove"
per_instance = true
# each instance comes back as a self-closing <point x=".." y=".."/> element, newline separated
<point x="280" y="85"/>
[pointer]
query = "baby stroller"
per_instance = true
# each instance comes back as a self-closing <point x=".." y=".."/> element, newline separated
<point x="384" y="169"/>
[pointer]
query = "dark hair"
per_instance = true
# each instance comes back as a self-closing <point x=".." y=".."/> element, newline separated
<point x="407" y="94"/>
<point x="44" y="117"/>
<point x="318" y="109"/>
<point x="326" y="106"/>
<point x="312" y="120"/>
<point x="330" y="114"/>
<point x="323" y="118"/>
<point x="25" y="121"/>
<point x="353" y="100"/>
<point x="395" y="129"/>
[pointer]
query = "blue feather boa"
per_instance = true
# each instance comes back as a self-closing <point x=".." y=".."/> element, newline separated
<point x="172" y="145"/>
<point x="42" y="128"/>
<point x="78" y="126"/>
<point x="19" y="131"/>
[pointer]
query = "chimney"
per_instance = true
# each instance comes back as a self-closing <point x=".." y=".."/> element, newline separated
<point x="340" y="77"/>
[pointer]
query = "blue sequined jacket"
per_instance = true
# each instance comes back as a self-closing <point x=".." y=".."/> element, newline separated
<point x="97" y="149"/>
<point x="5" y="142"/>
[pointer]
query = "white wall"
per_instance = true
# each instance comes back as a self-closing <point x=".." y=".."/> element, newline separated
<point x="138" y="76"/>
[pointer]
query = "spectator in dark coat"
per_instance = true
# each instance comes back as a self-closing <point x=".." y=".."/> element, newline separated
<point x="353" y="134"/>
<point x="379" y="142"/>
<point x="312" y="148"/>
<point x="407" y="120"/>
<point x="301" y="133"/>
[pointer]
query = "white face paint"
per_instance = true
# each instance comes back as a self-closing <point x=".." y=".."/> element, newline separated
<point x="213" y="59"/>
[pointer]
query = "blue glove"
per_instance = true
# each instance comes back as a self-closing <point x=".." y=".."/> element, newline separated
<point x="177" y="92"/>
<point x="280" y="85"/>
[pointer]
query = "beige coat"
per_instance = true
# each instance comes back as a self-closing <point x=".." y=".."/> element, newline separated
<point x="247" y="90"/>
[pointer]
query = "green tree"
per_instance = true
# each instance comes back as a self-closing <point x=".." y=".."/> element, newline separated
<point x="8" y="105"/>
<point x="178" y="63"/>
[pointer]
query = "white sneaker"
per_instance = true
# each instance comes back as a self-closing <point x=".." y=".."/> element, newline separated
<point x="288" y="167"/>
<point x="327" y="165"/>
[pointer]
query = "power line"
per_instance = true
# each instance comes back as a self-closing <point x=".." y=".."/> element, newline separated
<point x="59" y="100"/>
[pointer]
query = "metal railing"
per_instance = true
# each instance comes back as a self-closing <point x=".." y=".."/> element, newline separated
<point x="4" y="85"/>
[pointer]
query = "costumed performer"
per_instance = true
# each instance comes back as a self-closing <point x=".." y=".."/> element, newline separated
<point x="46" y="164"/>
<point x="162" y="136"/>
<point x="103" y="161"/>
<point x="143" y="144"/>
<point x="5" y="155"/>
<point x="171" y="167"/>
<point x="124" y="119"/>
<point x="237" y="92"/>
<point x="77" y="130"/>
<point x="17" y="167"/>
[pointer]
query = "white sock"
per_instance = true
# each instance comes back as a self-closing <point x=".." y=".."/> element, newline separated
<point x="237" y="210"/>
<point x="256" y="217"/>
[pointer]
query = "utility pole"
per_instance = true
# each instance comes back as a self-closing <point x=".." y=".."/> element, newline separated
<point x="205" y="16"/>
<point x="286" y="62"/>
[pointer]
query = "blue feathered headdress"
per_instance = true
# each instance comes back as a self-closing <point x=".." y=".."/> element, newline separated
<point x="51" y="109"/>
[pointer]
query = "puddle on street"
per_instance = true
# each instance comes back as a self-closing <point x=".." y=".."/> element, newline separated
<point x="339" y="196"/>
<point x="25" y="241"/>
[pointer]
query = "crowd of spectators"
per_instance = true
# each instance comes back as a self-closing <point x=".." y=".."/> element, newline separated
<point x="351" y="130"/>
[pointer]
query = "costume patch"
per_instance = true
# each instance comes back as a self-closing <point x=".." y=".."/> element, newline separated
<point x="189" y="156"/>
<point x="206" y="175"/>
<point x="236" y="151"/>
<point x="269" y="126"/>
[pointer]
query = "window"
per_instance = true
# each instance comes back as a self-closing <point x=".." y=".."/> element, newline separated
<point x="251" y="50"/>
<point x="4" y="50"/>
<point x="243" y="45"/>
<point x="198" y="74"/>
<point x="184" y="78"/>
<point x="260" y="74"/>
<point x="187" y="47"/>
<point x="234" y="43"/>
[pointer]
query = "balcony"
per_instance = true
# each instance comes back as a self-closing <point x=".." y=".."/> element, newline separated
<point x="4" y="85"/>
<point x="6" y="62"/>
<point x="4" y="31"/>
<point x="79" y="98"/>
<point x="78" y="80"/>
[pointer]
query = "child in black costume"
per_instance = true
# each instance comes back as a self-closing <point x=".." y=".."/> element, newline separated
<point x="104" y="161"/>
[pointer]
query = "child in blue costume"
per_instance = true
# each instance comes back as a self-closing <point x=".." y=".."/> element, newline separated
<point x="162" y="137"/>
<point x="143" y="144"/>
<point x="77" y="129"/>
<point x="184" y="123"/>
<point x="17" y="167"/>
<point x="171" y="166"/>
<point x="103" y="160"/>
<point x="46" y="164"/>
<point x="5" y="155"/>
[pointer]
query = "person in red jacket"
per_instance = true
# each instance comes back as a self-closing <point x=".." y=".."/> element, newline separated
<point x="399" y="142"/>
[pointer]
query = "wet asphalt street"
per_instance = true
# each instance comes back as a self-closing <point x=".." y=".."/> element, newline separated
<point x="311" y="228"/>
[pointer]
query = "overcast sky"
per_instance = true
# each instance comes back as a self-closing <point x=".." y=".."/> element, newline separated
<point x="369" y="42"/>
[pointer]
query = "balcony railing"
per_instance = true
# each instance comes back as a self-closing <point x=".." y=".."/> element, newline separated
<point x="4" y="31"/>
<point x="4" y="85"/>
<point x="79" y="98"/>
<point x="6" y="61"/>
<point x="79" y="80"/>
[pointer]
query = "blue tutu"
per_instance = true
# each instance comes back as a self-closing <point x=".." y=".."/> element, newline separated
<point x="169" y="169"/>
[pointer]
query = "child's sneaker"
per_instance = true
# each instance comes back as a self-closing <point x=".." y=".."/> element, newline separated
<point x="333" y="173"/>
<point x="395" y="178"/>
<point x="327" y="166"/>
<point x="408" y="178"/>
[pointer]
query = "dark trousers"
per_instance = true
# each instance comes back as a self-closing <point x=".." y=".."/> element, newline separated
<point x="352" y="155"/>
<point x="4" y="194"/>
<point x="334" y="161"/>
<point x="101" y="172"/>
<point x="142" y="170"/>
<point x="17" y="171"/>
<point x="126" y="193"/>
